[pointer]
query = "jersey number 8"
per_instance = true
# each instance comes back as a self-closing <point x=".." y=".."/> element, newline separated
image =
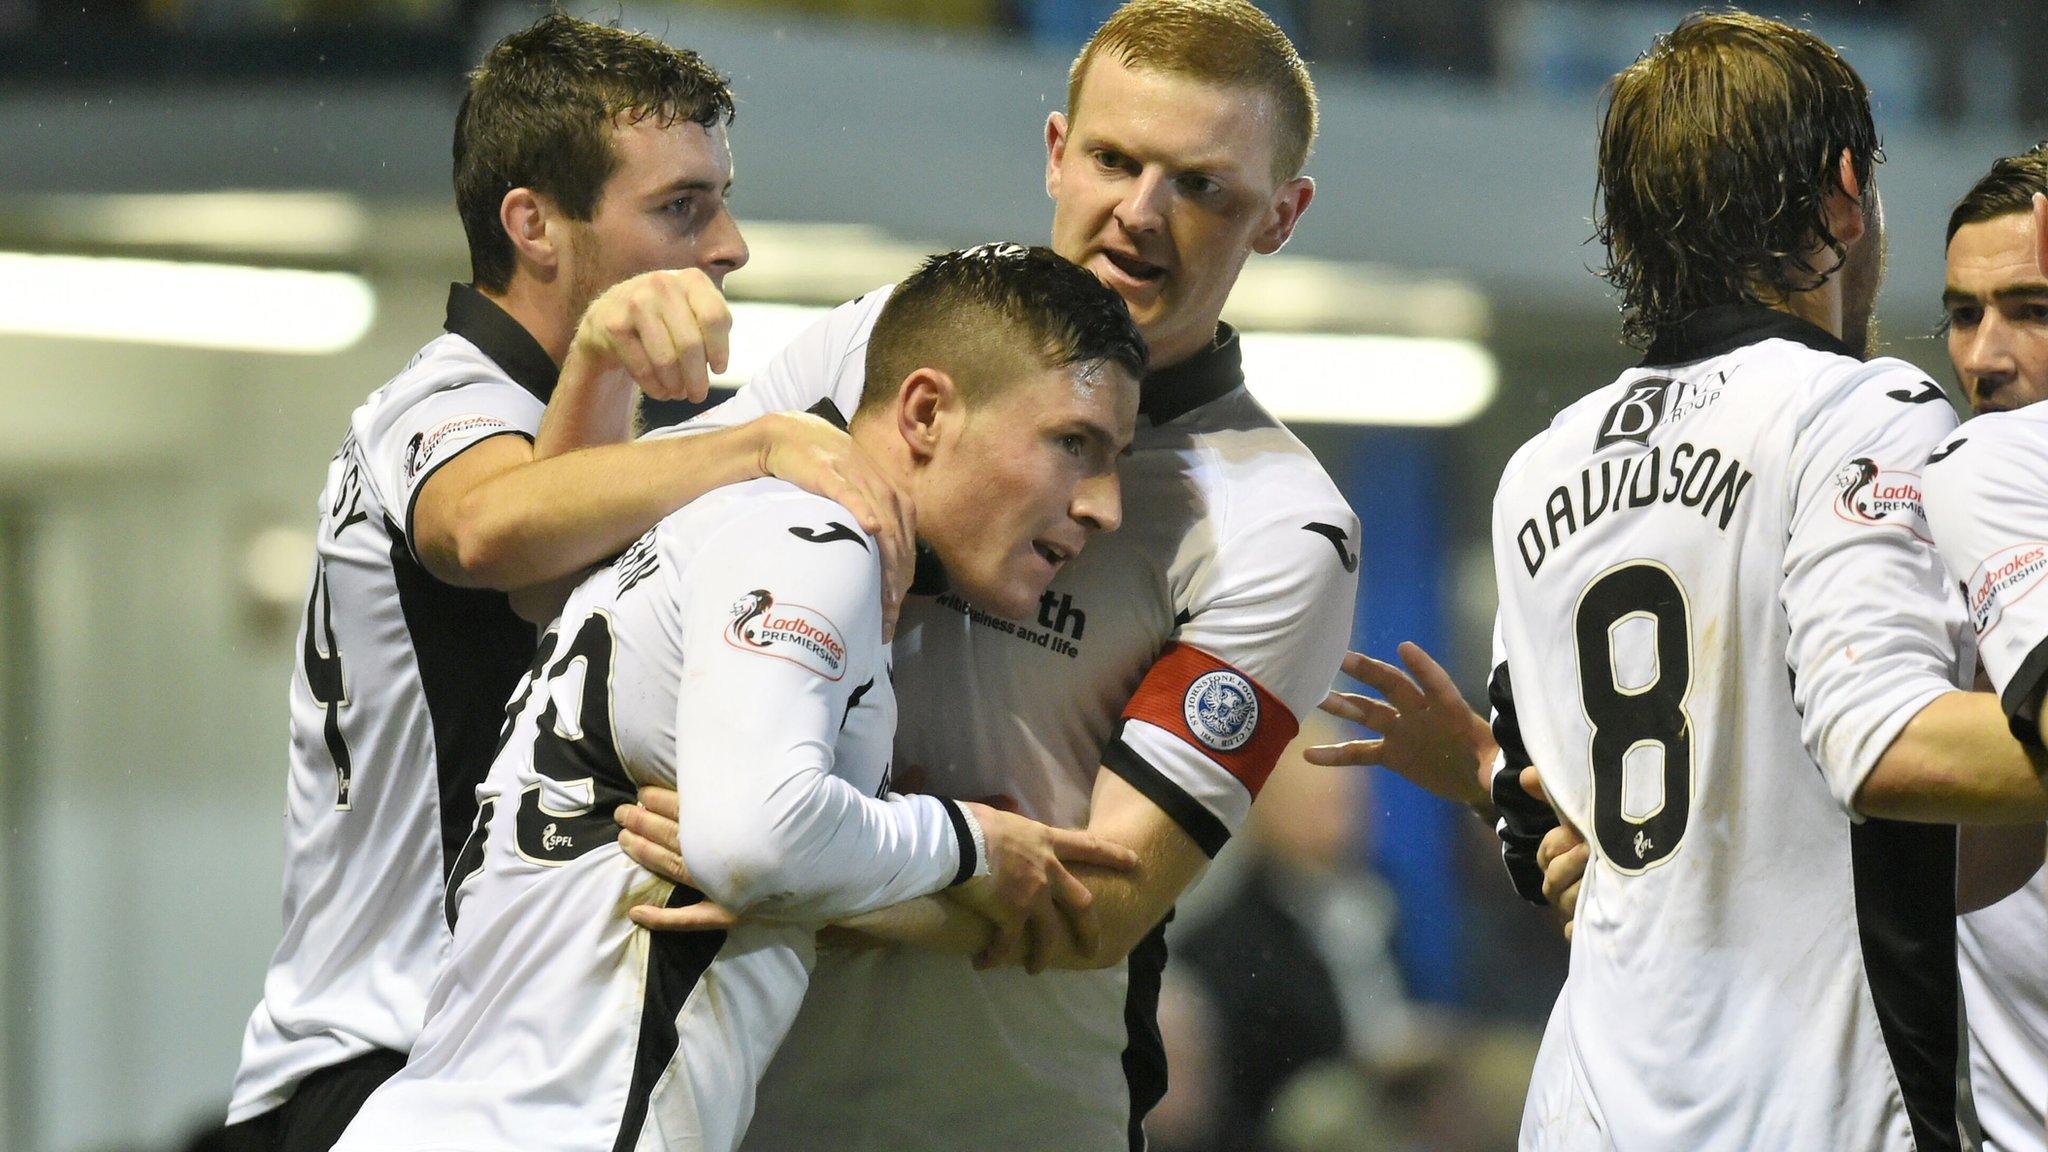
<point x="1643" y="719"/>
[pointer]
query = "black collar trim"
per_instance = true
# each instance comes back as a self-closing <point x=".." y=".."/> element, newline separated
<point x="829" y="412"/>
<point x="928" y="578"/>
<point x="1210" y="374"/>
<point x="472" y="316"/>
<point x="1723" y="328"/>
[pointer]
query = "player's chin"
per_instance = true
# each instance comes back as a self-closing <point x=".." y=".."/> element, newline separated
<point x="1014" y="591"/>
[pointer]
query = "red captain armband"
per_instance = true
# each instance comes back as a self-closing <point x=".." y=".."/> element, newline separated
<point x="1221" y="712"/>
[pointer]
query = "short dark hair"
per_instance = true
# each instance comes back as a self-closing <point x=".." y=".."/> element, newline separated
<point x="983" y="315"/>
<point x="2008" y="188"/>
<point x="539" y="112"/>
<point x="1719" y="148"/>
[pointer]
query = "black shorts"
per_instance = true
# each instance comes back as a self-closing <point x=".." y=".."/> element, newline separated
<point x="317" y="1113"/>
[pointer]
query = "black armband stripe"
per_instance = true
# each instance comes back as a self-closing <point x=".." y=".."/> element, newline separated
<point x="970" y="862"/>
<point x="1198" y="822"/>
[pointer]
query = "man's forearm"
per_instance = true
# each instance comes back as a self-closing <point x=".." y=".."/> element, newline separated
<point x="1956" y="762"/>
<point x="930" y="923"/>
<point x="1128" y="906"/>
<point x="586" y="412"/>
<point x="558" y="516"/>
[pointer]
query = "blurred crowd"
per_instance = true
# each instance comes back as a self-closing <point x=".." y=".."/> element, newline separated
<point x="1286" y="1019"/>
<point x="1967" y="58"/>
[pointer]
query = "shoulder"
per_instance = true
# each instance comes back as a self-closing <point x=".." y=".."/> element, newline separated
<point x="1251" y="464"/>
<point x="772" y="521"/>
<point x="843" y="332"/>
<point x="1884" y="402"/>
<point x="443" y="365"/>
<point x="1996" y="451"/>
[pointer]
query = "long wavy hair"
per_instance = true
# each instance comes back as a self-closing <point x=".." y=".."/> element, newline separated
<point x="1719" y="148"/>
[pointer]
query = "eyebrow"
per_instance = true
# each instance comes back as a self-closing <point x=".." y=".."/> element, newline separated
<point x="2027" y="290"/>
<point x="687" y="185"/>
<point x="1213" y="164"/>
<point x="1103" y="436"/>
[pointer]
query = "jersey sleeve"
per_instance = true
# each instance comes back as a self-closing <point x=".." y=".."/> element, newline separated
<point x="781" y="637"/>
<point x="409" y="443"/>
<point x="1257" y="647"/>
<point x="826" y="362"/>
<point x="1524" y="820"/>
<point x="1987" y="505"/>
<point x="1876" y="628"/>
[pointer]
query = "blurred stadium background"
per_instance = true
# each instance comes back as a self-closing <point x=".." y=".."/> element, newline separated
<point x="222" y="222"/>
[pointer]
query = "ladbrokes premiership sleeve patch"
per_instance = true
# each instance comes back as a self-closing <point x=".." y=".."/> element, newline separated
<point x="796" y="633"/>
<point x="1221" y="712"/>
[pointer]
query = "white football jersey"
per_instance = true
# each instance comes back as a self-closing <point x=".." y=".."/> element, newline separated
<point x="2002" y="952"/>
<point x="735" y="654"/>
<point x="396" y="702"/>
<point x="1178" y="651"/>
<point x="1718" y="606"/>
<point x="1987" y="506"/>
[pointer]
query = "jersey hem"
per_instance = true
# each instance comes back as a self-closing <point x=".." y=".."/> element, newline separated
<point x="1881" y="739"/>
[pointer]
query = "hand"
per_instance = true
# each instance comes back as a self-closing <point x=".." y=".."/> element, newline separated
<point x="667" y="330"/>
<point x="650" y="838"/>
<point x="1563" y="855"/>
<point x="649" y="835"/>
<point x="1428" y="733"/>
<point x="810" y="453"/>
<point x="1029" y="894"/>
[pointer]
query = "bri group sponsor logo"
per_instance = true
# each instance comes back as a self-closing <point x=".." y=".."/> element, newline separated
<point x="795" y="633"/>
<point x="2004" y="577"/>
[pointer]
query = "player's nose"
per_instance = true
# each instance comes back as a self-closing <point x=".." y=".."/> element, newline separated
<point x="1989" y="351"/>
<point x="1143" y="206"/>
<point x="725" y="249"/>
<point x="1099" y="503"/>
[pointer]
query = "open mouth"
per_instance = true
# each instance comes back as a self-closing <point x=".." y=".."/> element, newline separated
<point x="1133" y="267"/>
<point x="1052" y="554"/>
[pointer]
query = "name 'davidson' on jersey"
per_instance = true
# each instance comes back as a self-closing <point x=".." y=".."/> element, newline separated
<point x="1694" y="478"/>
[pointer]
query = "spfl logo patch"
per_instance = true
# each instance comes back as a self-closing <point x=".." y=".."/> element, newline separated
<point x="1868" y="494"/>
<point x="803" y="636"/>
<point x="1222" y="710"/>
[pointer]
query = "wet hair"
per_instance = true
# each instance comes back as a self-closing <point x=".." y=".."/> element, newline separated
<point x="539" y="114"/>
<point x="2008" y="188"/>
<point x="1229" y="43"/>
<point x="1719" y="148"/>
<point x="988" y="315"/>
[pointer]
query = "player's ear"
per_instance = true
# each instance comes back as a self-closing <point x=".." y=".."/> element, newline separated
<point x="1287" y="206"/>
<point x="925" y="402"/>
<point x="1844" y="205"/>
<point x="533" y="225"/>
<point x="1055" y="151"/>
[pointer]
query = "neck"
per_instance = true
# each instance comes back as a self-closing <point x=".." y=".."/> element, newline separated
<point x="887" y="452"/>
<point x="538" y="309"/>
<point x="1167" y="354"/>
<point x="1821" y="311"/>
<point x="1820" y="307"/>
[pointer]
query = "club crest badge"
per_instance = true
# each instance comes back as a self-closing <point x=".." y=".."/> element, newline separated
<point x="1221" y="710"/>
